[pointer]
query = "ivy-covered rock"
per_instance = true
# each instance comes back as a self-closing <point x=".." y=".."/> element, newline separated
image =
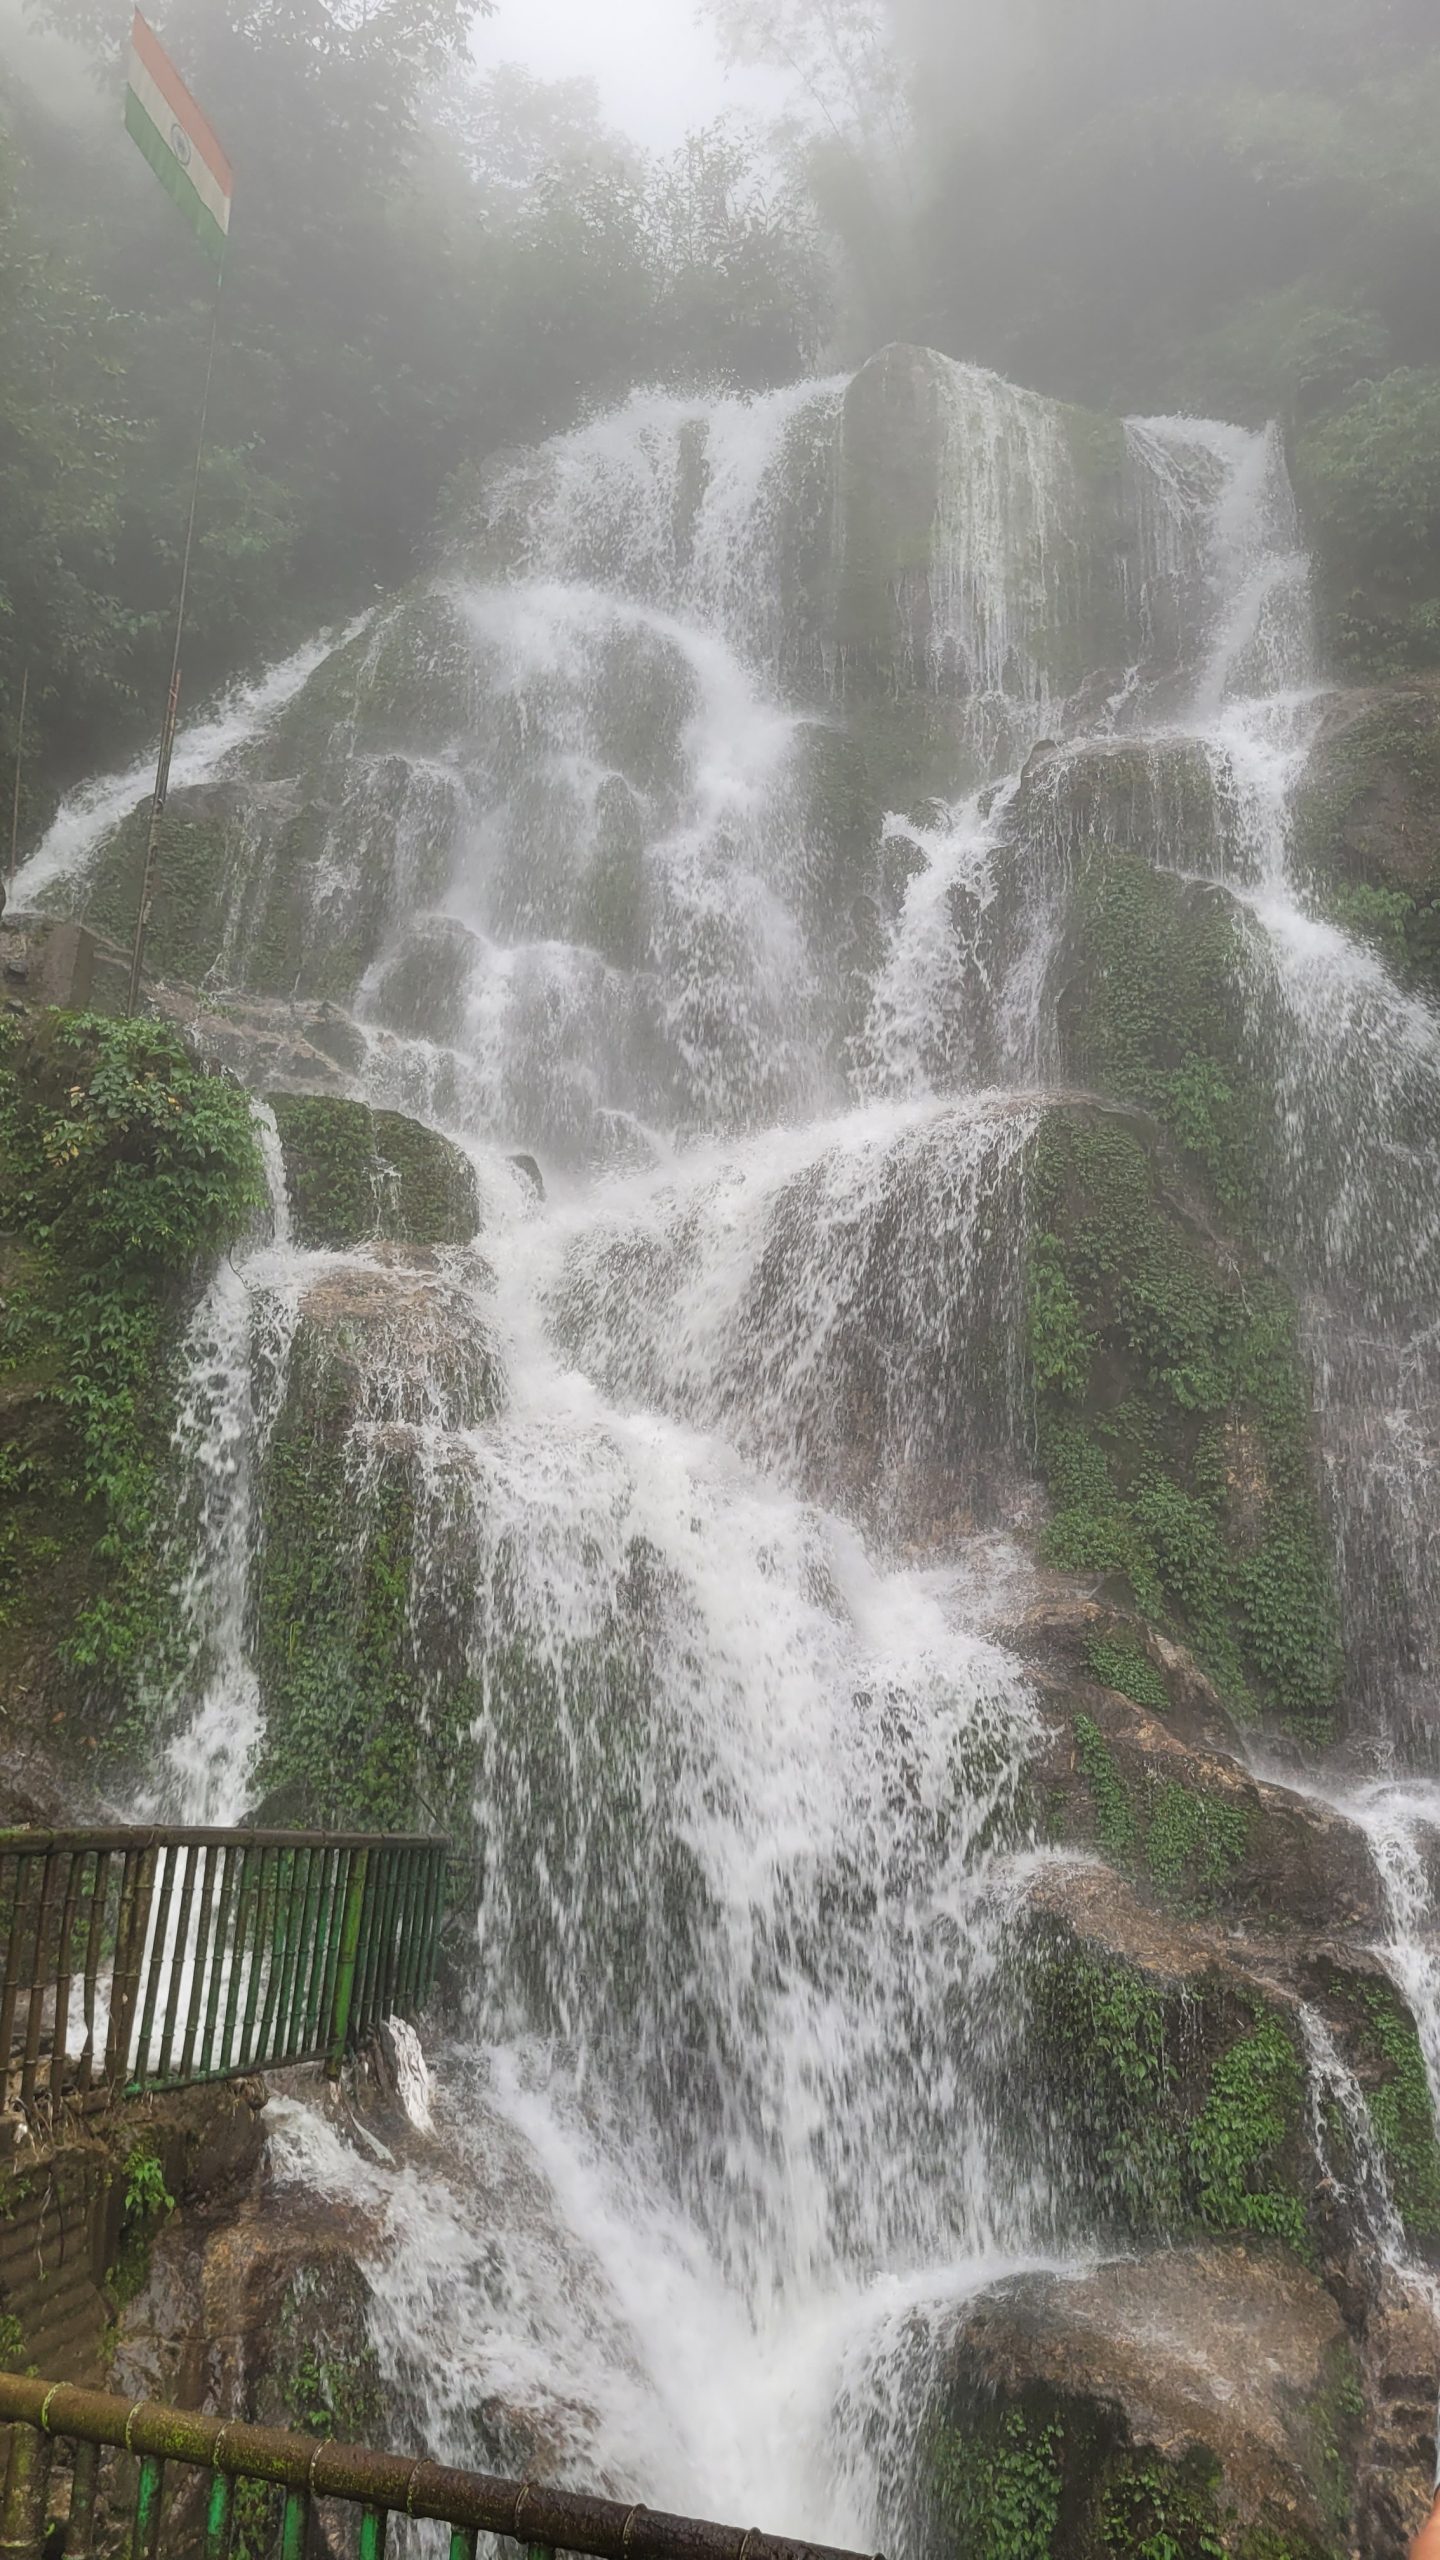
<point x="1082" y="2417"/>
<point x="367" y="1697"/>
<point x="125" y="1166"/>
<point x="1188" y="1825"/>
<point x="1174" y="1424"/>
<point x="1168" y="2079"/>
<point x="355" y="1174"/>
<point x="1367" y="823"/>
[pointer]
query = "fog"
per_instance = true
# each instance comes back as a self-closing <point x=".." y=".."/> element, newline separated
<point x="658" y="69"/>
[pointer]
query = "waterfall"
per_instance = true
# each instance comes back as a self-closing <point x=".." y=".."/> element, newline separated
<point x="708" y="1457"/>
<point x="202" y="747"/>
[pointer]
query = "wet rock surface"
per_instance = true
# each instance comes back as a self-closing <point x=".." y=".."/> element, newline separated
<point x="1121" y="2386"/>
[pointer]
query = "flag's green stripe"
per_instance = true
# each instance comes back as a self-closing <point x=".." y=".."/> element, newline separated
<point x="173" y="178"/>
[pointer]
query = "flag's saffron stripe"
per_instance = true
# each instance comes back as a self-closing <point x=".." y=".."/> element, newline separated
<point x="207" y="186"/>
<point x="175" y="180"/>
<point x="156" y="61"/>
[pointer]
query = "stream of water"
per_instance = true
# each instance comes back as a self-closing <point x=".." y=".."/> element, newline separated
<point x="720" y="2148"/>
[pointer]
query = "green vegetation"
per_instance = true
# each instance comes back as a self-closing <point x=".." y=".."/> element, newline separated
<point x="1037" y="2474"/>
<point x="1397" y="2090"/>
<point x="123" y="1166"/>
<point x="146" y="2194"/>
<point x="1001" y="2488"/>
<point x="353" y="1173"/>
<point x="426" y="265"/>
<point x="1173" y="1425"/>
<point x="1367" y="829"/>
<point x="349" y="1739"/>
<point x="1118" y="1663"/>
<point x="146" y="2202"/>
<point x="1369" y="474"/>
<point x="1257" y="2090"/>
<point x="1161" y="1020"/>
<point x="1182" y="2107"/>
<point x="1186" y="1846"/>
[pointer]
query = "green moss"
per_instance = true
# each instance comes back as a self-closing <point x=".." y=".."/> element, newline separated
<point x="325" y="2369"/>
<point x="1173" y="1425"/>
<point x="1397" y="2089"/>
<point x="354" y="1174"/>
<point x="124" y="1165"/>
<point x="1366" y="831"/>
<point x="1181" y="2108"/>
<point x="1034" y="2473"/>
<point x="1159" y="1017"/>
<point x="350" y="1738"/>
<point x="12" y="2344"/>
<point x="195" y="850"/>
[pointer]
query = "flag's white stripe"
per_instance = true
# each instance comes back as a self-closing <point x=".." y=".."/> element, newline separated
<point x="197" y="168"/>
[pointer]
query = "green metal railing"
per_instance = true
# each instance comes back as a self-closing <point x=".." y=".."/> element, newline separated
<point x="304" y="2473"/>
<point x="133" y="1960"/>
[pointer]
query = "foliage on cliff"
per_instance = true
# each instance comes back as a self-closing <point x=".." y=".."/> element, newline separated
<point x="412" y="278"/>
<point x="123" y="1164"/>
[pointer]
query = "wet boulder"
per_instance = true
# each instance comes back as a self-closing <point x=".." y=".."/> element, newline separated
<point x="1099" y="2413"/>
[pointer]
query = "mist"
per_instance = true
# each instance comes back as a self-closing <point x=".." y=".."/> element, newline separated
<point x="720" y="1255"/>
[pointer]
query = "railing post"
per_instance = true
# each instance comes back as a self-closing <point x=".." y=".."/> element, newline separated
<point x="137" y="1884"/>
<point x="149" y="2499"/>
<point x="27" y="2484"/>
<point x="80" y="2525"/>
<point x="345" y="1970"/>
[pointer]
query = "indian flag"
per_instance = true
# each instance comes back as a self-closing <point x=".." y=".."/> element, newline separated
<point x="177" y="140"/>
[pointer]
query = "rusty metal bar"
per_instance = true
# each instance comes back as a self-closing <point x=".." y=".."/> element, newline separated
<point x="382" y="2484"/>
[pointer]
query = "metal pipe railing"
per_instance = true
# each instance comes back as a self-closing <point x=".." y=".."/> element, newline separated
<point x="542" y="2520"/>
<point x="154" y="1959"/>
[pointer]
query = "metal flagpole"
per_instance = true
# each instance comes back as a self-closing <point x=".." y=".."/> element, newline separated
<point x="172" y="699"/>
<point x="19" y="768"/>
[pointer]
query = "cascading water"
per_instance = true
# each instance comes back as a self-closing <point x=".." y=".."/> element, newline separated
<point x="722" y="2144"/>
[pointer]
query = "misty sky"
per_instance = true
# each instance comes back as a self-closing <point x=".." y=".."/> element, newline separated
<point x="659" y="71"/>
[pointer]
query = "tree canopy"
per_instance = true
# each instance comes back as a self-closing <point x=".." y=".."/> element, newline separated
<point x="422" y="265"/>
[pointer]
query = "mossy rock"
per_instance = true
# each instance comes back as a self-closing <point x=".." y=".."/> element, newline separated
<point x="1080" y="2419"/>
<point x="355" y="1174"/>
<point x="365" y="1680"/>
<point x="903" y="441"/>
<point x="199" y="848"/>
<point x="1151" y="988"/>
<point x="1174" y="1423"/>
<point x="1366" y="824"/>
<point x="1380" y="2041"/>
<point x="1167" y="2084"/>
<point x="1189" y="1826"/>
<point x="125" y="1166"/>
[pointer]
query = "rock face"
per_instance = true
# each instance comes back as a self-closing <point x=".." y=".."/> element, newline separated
<point x="1101" y="2413"/>
<point x="827" y="836"/>
<point x="354" y="1174"/>
<point x="1368" y="822"/>
<point x="361" y="1658"/>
